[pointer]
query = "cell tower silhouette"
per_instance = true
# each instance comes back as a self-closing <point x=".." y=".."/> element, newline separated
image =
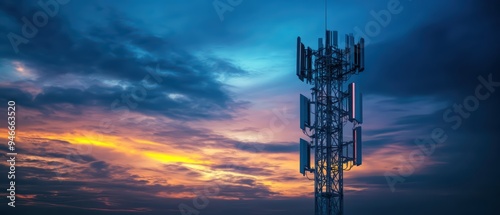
<point x="327" y="69"/>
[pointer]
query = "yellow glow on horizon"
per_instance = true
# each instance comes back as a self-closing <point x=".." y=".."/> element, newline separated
<point x="121" y="145"/>
<point x="170" y="158"/>
<point x="147" y="142"/>
<point x="211" y="164"/>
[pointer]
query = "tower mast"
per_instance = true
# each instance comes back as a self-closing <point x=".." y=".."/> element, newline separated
<point x="327" y="69"/>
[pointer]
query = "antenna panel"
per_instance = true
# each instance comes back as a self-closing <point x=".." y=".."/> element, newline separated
<point x="359" y="111"/>
<point x="305" y="156"/>
<point x="355" y="104"/>
<point x="351" y="103"/>
<point x="299" y="59"/>
<point x="305" y="116"/>
<point x="303" y="62"/>
<point x="320" y="46"/>
<point x="309" y="65"/>
<point x="362" y="55"/>
<point x="347" y="46"/>
<point x="348" y="50"/>
<point x="356" y="56"/>
<point x="357" y="146"/>
<point x="351" y="51"/>
<point x="328" y="39"/>
<point x="335" y="39"/>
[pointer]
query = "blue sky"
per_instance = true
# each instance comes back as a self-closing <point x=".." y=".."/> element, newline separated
<point x="136" y="107"/>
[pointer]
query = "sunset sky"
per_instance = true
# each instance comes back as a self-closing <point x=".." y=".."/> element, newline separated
<point x="137" y="107"/>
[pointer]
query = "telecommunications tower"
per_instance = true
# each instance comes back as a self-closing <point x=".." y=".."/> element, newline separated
<point x="324" y="115"/>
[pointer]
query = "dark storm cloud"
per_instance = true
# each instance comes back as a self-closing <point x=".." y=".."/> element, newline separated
<point x="246" y="192"/>
<point x="461" y="170"/>
<point x="120" y="51"/>
<point x="45" y="148"/>
<point x="13" y="93"/>
<point x="98" y="169"/>
<point x="278" y="147"/>
<point x="440" y="57"/>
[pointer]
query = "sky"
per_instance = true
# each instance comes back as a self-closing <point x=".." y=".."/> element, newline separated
<point x="191" y="107"/>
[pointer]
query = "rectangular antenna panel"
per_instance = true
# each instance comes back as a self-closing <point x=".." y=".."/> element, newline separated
<point x="320" y="46"/>
<point x="335" y="39"/>
<point x="351" y="102"/>
<point x="357" y="146"/>
<point x="347" y="46"/>
<point x="299" y="59"/>
<point x="309" y="68"/>
<point x="356" y="56"/>
<point x="305" y="156"/>
<point x="351" y="52"/>
<point x="303" y="51"/>
<point x="359" y="111"/>
<point x="305" y="113"/>
<point x="328" y="39"/>
<point x="362" y="55"/>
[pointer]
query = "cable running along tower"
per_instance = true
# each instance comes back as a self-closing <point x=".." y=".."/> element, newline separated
<point x="332" y="106"/>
